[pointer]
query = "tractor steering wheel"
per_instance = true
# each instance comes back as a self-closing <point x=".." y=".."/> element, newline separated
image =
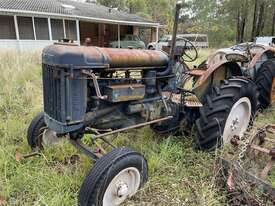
<point x="190" y="53"/>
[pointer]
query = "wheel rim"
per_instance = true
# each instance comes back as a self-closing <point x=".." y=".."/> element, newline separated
<point x="49" y="137"/>
<point x="237" y="120"/>
<point x="125" y="184"/>
<point x="39" y="139"/>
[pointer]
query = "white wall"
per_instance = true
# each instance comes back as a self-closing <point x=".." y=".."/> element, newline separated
<point x="25" y="44"/>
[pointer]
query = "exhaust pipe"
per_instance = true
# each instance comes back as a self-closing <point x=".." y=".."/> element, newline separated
<point x="173" y="43"/>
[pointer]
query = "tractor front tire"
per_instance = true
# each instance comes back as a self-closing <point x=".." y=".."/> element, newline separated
<point x="36" y="130"/>
<point x="227" y="112"/>
<point x="113" y="178"/>
<point x="264" y="81"/>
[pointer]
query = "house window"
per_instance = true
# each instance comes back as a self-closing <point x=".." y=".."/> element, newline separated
<point x="7" y="30"/>
<point x="70" y="27"/>
<point x="41" y="28"/>
<point x="25" y="27"/>
<point x="57" y="29"/>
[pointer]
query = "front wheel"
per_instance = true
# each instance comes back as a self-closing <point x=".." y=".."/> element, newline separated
<point x="226" y="113"/>
<point x="115" y="177"/>
<point x="36" y="130"/>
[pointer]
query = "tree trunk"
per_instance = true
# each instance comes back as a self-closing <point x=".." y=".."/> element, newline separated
<point x="243" y="24"/>
<point x="261" y="19"/>
<point x="263" y="25"/>
<point x="242" y="16"/>
<point x="273" y="24"/>
<point x="246" y="11"/>
<point x="255" y="18"/>
<point x="238" y="33"/>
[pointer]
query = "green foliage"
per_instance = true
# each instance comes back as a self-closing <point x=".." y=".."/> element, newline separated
<point x="157" y="10"/>
<point x="136" y="6"/>
<point x="218" y="19"/>
<point x="120" y="4"/>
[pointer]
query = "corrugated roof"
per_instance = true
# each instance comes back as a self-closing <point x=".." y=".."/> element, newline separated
<point x="85" y="10"/>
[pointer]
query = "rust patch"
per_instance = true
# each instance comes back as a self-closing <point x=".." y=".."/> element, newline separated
<point x="19" y="156"/>
<point x="272" y="93"/>
<point x="210" y="69"/>
<point x="176" y="98"/>
<point x="196" y="72"/>
<point x="192" y="101"/>
<point x="258" y="54"/>
<point x="3" y="201"/>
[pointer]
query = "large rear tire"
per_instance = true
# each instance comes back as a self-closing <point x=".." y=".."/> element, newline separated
<point x="264" y="80"/>
<point x="114" y="177"/>
<point x="227" y="112"/>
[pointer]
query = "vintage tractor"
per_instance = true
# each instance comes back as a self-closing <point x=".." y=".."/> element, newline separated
<point x="103" y="91"/>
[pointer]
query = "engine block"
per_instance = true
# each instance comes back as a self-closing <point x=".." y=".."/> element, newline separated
<point x="103" y="88"/>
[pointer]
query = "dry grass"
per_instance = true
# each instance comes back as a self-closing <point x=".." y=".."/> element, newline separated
<point x="179" y="174"/>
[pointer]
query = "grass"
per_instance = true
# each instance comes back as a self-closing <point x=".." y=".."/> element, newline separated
<point x="178" y="175"/>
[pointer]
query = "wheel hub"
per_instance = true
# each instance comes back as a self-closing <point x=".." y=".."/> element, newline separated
<point x="50" y="137"/>
<point x="125" y="184"/>
<point x="235" y="124"/>
<point x="122" y="190"/>
<point x="237" y="120"/>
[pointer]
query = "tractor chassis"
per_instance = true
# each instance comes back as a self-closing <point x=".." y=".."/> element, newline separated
<point x="94" y="156"/>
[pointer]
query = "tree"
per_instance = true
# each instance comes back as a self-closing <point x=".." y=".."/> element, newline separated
<point x="273" y="24"/>
<point x="260" y="22"/>
<point x="120" y="4"/>
<point x="136" y="6"/>
<point x="255" y="19"/>
<point x="242" y="13"/>
<point x="224" y="21"/>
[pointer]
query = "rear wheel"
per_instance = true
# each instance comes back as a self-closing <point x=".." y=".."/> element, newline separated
<point x="115" y="177"/>
<point x="227" y="112"/>
<point x="264" y="81"/>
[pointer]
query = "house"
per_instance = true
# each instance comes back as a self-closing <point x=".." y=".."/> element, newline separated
<point x="34" y="24"/>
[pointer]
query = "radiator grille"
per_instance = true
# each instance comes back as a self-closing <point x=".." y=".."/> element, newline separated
<point x="52" y="92"/>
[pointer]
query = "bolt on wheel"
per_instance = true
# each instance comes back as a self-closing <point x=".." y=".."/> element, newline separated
<point x="237" y="120"/>
<point x="124" y="185"/>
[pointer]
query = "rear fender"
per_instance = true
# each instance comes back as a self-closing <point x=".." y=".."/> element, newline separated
<point x="213" y="76"/>
<point x="259" y="57"/>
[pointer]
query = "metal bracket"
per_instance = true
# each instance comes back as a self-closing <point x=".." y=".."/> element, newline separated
<point x="83" y="148"/>
<point x="100" y="136"/>
<point x="97" y="89"/>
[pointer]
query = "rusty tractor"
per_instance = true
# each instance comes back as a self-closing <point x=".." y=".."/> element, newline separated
<point x="104" y="91"/>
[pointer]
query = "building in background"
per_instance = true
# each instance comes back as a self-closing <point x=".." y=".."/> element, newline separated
<point x="34" y="24"/>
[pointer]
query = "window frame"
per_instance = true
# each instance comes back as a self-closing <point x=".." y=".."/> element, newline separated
<point x="12" y="27"/>
<point x="18" y="28"/>
<point x="52" y="28"/>
<point x="37" y="36"/>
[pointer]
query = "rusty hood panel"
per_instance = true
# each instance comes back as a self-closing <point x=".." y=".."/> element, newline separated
<point x="83" y="56"/>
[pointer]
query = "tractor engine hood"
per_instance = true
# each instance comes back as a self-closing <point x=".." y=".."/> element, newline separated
<point x="65" y="55"/>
